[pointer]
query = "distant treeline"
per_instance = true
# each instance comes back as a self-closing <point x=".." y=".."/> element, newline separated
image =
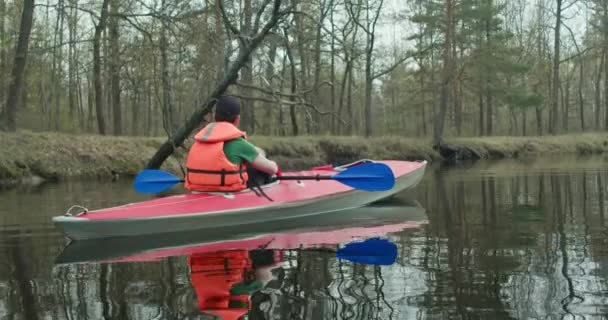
<point x="452" y="68"/>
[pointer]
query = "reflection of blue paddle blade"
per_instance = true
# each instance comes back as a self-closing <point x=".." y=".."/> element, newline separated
<point x="373" y="251"/>
<point x="154" y="181"/>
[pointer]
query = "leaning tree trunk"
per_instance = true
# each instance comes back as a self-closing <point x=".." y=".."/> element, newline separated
<point x="177" y="139"/>
<point x="16" y="85"/>
<point x="101" y="125"/>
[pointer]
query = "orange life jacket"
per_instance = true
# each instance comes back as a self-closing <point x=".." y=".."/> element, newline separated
<point x="213" y="274"/>
<point x="208" y="169"/>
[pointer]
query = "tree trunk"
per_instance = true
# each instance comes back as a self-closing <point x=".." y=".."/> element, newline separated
<point x="248" y="111"/>
<point x="169" y="117"/>
<point x="269" y="75"/>
<point x="458" y="106"/>
<point x="198" y="115"/>
<point x="606" y="70"/>
<point x="581" y="99"/>
<point x="332" y="71"/>
<point x="281" y="122"/>
<point x="447" y="74"/>
<point x="566" y="105"/>
<point x="349" y="104"/>
<point x="91" y="105"/>
<point x="488" y="83"/>
<point x="115" y="68"/>
<point x="72" y="58"/>
<point x="17" y="75"/>
<point x="598" y="93"/>
<point x="57" y="72"/>
<point x="3" y="66"/>
<point x="368" y="92"/>
<point x="304" y="63"/>
<point x="221" y="39"/>
<point x="423" y="104"/>
<point x="369" y="78"/>
<point x="343" y="83"/>
<point x="292" y="71"/>
<point x="524" y="114"/>
<point x="481" y="113"/>
<point x="555" y="81"/>
<point x="316" y="98"/>
<point x="80" y="102"/>
<point x="101" y="124"/>
<point x="489" y="114"/>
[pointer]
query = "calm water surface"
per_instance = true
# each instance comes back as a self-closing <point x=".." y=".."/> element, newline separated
<point x="495" y="240"/>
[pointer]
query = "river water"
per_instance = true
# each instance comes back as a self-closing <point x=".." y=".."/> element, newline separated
<point x="521" y="239"/>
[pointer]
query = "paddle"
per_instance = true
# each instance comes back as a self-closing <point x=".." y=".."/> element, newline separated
<point x="373" y="251"/>
<point x="370" y="176"/>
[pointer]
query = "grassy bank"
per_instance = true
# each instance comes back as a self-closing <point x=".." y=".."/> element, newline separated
<point x="52" y="156"/>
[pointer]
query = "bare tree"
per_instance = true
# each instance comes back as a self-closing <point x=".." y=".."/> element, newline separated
<point x="101" y="25"/>
<point x="2" y="51"/>
<point x="447" y="73"/>
<point x="371" y="11"/>
<point x="556" y="63"/>
<point x="248" y="116"/>
<point x="115" y="67"/>
<point x="15" y="88"/>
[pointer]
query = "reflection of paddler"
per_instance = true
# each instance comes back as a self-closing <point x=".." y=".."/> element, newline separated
<point x="225" y="280"/>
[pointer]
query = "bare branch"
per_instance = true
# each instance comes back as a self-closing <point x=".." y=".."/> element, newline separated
<point x="227" y="22"/>
<point x="354" y="18"/>
<point x="400" y="61"/>
<point x="258" y="15"/>
<point x="287" y="102"/>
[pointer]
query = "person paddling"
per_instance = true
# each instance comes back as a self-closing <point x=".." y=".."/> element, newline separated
<point x="221" y="159"/>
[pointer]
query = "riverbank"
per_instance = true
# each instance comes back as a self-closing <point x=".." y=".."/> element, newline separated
<point x="35" y="157"/>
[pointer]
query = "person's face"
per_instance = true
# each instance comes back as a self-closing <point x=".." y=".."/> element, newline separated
<point x="237" y="120"/>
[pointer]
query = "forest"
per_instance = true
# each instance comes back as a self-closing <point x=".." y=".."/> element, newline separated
<point x="418" y="68"/>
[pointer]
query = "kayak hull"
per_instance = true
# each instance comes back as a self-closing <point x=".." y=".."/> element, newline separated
<point x="133" y="220"/>
<point x="342" y="226"/>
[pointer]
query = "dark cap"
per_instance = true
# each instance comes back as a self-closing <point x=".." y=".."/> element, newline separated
<point x="228" y="107"/>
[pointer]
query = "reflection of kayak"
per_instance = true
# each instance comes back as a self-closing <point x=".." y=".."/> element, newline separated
<point x="206" y="210"/>
<point x="339" y="227"/>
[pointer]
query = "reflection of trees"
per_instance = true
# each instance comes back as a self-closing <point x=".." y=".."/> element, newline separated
<point x="514" y="246"/>
<point x="23" y="276"/>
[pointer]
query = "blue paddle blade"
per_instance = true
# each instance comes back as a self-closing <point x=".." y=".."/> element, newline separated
<point x="373" y="251"/>
<point x="154" y="181"/>
<point x="368" y="176"/>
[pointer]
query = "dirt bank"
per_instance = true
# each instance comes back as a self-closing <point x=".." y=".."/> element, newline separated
<point x="34" y="157"/>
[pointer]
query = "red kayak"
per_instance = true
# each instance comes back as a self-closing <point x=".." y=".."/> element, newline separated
<point x="194" y="211"/>
<point x="376" y="220"/>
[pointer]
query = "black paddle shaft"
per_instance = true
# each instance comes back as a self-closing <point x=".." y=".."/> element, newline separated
<point x="317" y="177"/>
